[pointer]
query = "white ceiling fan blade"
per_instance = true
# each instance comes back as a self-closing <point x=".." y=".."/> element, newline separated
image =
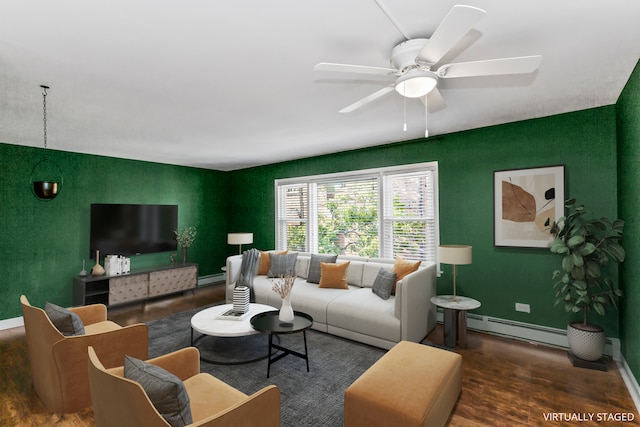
<point x="434" y="100"/>
<point x="392" y="19"/>
<point x="491" y="67"/>
<point x="360" y="69"/>
<point x="367" y="99"/>
<point x="453" y="27"/>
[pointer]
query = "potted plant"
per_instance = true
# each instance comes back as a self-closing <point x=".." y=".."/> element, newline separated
<point x="185" y="238"/>
<point x="583" y="284"/>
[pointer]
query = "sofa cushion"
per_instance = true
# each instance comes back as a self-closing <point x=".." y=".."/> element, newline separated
<point x="403" y="267"/>
<point x="309" y="298"/>
<point x="166" y="391"/>
<point x="363" y="312"/>
<point x="354" y="272"/>
<point x="302" y="265"/>
<point x="383" y="284"/>
<point x="370" y="272"/>
<point x="66" y="321"/>
<point x="334" y="275"/>
<point x="282" y="264"/>
<point x="265" y="260"/>
<point x="314" y="266"/>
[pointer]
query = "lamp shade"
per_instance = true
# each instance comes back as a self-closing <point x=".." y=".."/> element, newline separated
<point x="454" y="254"/>
<point x="239" y="238"/>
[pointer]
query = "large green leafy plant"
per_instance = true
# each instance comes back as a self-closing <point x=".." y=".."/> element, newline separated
<point x="587" y="246"/>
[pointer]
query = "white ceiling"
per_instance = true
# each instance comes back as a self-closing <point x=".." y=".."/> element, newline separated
<point x="230" y="84"/>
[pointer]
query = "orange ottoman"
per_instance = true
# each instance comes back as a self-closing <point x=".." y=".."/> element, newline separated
<point x="411" y="385"/>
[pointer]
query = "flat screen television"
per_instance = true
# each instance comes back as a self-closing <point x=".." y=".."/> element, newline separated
<point x="124" y="229"/>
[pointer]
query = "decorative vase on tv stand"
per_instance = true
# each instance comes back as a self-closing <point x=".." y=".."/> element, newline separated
<point x="185" y="238"/>
<point x="97" y="269"/>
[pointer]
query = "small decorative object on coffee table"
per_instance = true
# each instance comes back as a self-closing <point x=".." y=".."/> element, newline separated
<point x="241" y="299"/>
<point x="455" y="317"/>
<point x="269" y="323"/>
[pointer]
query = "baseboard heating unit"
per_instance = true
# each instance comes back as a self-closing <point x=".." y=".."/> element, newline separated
<point x="529" y="332"/>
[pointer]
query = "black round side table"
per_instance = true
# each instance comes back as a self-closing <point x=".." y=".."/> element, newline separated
<point x="269" y="323"/>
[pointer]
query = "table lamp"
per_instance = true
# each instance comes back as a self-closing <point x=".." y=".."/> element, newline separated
<point x="239" y="239"/>
<point x="456" y="255"/>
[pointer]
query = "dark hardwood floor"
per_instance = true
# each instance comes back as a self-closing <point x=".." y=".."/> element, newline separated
<point x="505" y="382"/>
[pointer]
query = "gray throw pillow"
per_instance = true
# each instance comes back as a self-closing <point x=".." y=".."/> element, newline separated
<point x="165" y="390"/>
<point x="66" y="321"/>
<point x="281" y="264"/>
<point x="383" y="284"/>
<point x="314" y="266"/>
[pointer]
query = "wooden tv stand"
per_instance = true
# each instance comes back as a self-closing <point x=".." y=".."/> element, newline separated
<point x="137" y="285"/>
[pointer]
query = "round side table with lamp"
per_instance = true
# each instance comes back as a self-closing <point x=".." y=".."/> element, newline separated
<point x="455" y="307"/>
<point x="455" y="317"/>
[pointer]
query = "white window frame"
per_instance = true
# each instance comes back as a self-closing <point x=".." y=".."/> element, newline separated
<point x="311" y="181"/>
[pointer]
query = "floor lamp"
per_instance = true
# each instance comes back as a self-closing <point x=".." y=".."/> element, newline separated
<point x="239" y="239"/>
<point x="456" y="255"/>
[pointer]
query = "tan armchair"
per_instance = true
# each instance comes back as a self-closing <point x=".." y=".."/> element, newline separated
<point x="120" y="402"/>
<point x="59" y="363"/>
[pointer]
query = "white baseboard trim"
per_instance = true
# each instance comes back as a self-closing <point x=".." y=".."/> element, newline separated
<point x="630" y="381"/>
<point x="529" y="332"/>
<point x="15" y="322"/>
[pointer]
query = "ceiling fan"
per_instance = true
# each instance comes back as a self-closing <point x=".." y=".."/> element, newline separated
<point x="415" y="62"/>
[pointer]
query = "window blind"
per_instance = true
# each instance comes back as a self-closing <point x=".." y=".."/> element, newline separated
<point x="382" y="212"/>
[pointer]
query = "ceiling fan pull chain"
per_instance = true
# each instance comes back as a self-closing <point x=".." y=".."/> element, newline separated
<point x="426" y="115"/>
<point x="404" y="109"/>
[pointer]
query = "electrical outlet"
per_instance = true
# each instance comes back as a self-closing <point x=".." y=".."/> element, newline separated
<point x="523" y="307"/>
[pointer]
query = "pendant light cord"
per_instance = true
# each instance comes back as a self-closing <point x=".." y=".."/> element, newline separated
<point x="44" y="112"/>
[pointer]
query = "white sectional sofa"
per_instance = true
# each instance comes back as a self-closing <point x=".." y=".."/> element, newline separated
<point x="356" y="313"/>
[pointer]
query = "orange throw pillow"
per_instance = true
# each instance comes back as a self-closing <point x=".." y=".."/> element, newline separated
<point x="403" y="267"/>
<point x="333" y="275"/>
<point x="265" y="261"/>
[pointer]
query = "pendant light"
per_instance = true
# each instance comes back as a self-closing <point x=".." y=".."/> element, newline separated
<point x="46" y="176"/>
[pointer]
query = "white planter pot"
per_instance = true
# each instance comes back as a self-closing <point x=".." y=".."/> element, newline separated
<point x="586" y="344"/>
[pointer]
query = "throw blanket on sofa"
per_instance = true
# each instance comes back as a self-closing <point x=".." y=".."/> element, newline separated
<point x="248" y="270"/>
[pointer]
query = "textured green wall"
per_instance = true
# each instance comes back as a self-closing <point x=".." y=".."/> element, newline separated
<point x="584" y="141"/>
<point x="42" y="244"/>
<point x="629" y="202"/>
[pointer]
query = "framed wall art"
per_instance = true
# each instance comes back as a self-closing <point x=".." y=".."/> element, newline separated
<point x="524" y="199"/>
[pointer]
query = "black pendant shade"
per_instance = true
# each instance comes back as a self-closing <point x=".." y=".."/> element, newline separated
<point x="45" y="189"/>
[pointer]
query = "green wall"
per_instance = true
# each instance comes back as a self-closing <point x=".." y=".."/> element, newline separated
<point x="584" y="141"/>
<point x="42" y="244"/>
<point x="628" y="114"/>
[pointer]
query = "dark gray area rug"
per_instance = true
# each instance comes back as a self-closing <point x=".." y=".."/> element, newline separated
<point x="314" y="398"/>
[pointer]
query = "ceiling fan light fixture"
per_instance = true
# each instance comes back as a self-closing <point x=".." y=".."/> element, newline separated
<point x="416" y="83"/>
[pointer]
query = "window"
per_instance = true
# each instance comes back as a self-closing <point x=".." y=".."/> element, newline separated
<point x="376" y="213"/>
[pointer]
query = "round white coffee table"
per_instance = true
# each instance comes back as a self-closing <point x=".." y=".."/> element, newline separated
<point x="455" y="317"/>
<point x="208" y="323"/>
